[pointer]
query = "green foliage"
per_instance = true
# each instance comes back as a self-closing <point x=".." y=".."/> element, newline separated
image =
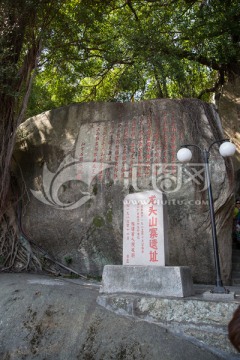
<point x="124" y="50"/>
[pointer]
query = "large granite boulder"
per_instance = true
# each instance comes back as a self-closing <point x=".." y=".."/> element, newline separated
<point x="229" y="110"/>
<point x="79" y="162"/>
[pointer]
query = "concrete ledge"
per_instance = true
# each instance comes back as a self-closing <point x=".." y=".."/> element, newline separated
<point x="173" y="281"/>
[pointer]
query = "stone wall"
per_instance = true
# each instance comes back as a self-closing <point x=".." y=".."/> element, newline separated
<point x="79" y="162"/>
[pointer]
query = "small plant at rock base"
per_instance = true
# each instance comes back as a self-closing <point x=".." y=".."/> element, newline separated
<point x="68" y="259"/>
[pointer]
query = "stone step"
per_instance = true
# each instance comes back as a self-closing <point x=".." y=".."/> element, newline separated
<point x="195" y="318"/>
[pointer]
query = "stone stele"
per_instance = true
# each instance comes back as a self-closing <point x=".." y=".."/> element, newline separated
<point x="145" y="229"/>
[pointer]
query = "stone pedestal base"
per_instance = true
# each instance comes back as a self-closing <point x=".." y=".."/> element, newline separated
<point x="164" y="281"/>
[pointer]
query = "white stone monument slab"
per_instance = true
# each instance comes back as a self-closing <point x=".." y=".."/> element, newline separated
<point x="145" y="229"/>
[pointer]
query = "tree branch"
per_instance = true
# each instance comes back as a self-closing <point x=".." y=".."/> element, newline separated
<point x="216" y="86"/>
<point x="129" y="4"/>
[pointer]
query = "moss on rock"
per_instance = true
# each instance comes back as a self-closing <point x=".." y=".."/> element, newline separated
<point x="98" y="221"/>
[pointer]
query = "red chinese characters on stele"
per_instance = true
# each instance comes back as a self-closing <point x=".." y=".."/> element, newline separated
<point x="153" y="229"/>
<point x="144" y="229"/>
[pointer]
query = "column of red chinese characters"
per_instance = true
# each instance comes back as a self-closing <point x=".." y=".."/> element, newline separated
<point x="127" y="224"/>
<point x="157" y="146"/>
<point x="138" y="225"/>
<point x="79" y="174"/>
<point x="148" y="146"/>
<point x="110" y="142"/>
<point x="95" y="154"/>
<point x="153" y="230"/>
<point x="133" y="227"/>
<point x="165" y="137"/>
<point x="173" y="143"/>
<point x="103" y="149"/>
<point x="117" y="146"/>
<point x="165" y="144"/>
<point x="142" y="230"/>
<point x="124" y="154"/>
<point x="133" y="145"/>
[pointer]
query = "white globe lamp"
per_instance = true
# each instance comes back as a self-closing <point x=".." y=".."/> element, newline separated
<point x="184" y="155"/>
<point x="227" y="149"/>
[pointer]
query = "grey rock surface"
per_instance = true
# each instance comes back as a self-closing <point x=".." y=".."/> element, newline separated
<point x="76" y="211"/>
<point x="55" y="319"/>
<point x="204" y="322"/>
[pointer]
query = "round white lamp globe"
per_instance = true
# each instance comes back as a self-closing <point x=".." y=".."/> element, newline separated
<point x="227" y="149"/>
<point x="184" y="155"/>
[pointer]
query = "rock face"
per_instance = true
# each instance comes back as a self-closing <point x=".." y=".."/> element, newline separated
<point x="229" y="110"/>
<point x="79" y="162"/>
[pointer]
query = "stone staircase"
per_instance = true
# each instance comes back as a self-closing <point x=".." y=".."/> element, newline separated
<point x="235" y="266"/>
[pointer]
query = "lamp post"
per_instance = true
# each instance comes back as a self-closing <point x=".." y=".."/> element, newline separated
<point x="185" y="155"/>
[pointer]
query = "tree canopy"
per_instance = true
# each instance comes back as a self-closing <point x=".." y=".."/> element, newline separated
<point x="122" y="50"/>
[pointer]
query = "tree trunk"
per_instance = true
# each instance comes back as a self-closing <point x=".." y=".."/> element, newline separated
<point x="15" y="82"/>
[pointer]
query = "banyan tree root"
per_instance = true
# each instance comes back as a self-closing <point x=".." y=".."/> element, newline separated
<point x="18" y="253"/>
